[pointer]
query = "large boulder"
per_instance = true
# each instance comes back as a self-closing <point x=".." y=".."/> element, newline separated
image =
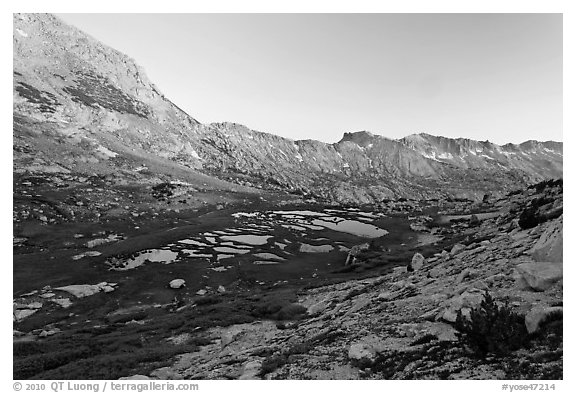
<point x="251" y="370"/>
<point x="537" y="315"/>
<point x="538" y="276"/>
<point x="318" y="308"/>
<point x="177" y="283"/>
<point x="548" y="248"/>
<point x="417" y="262"/>
<point x="83" y="290"/>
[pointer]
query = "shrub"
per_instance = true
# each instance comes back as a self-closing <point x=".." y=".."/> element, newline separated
<point x="530" y="217"/>
<point x="492" y="329"/>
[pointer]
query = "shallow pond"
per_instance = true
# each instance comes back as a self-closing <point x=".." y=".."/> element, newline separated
<point x="270" y="237"/>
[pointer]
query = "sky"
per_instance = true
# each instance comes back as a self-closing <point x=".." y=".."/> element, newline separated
<point x="494" y="77"/>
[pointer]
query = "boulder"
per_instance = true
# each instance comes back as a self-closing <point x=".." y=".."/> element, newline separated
<point x="83" y="290"/>
<point x="399" y="270"/>
<point x="177" y="283"/>
<point x="362" y="352"/>
<point x="539" y="276"/>
<point x="457" y="248"/>
<point x="251" y="370"/>
<point x="548" y="248"/>
<point x="464" y="302"/>
<point x="464" y="274"/>
<point x="417" y="262"/>
<point x="21" y="314"/>
<point x="49" y="332"/>
<point x="442" y="331"/>
<point x="318" y="308"/>
<point x="64" y="303"/>
<point x="165" y="373"/>
<point x="417" y="227"/>
<point x="537" y="315"/>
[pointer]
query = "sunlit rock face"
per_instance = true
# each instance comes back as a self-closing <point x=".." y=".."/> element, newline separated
<point x="96" y="108"/>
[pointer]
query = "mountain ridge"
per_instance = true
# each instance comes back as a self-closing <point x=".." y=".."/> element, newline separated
<point x="93" y="95"/>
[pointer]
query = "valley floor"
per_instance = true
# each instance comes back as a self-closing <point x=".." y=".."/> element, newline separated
<point x="142" y="288"/>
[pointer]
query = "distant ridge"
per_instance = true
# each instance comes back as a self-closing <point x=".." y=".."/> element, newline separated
<point x="75" y="98"/>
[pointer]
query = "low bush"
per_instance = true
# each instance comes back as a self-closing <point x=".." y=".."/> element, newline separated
<point x="278" y="306"/>
<point x="272" y="363"/>
<point x="491" y="329"/>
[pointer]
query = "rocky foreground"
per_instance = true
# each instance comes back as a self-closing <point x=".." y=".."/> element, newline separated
<point x="414" y="323"/>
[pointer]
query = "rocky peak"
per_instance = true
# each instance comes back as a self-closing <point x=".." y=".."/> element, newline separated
<point x="362" y="138"/>
<point x="89" y="92"/>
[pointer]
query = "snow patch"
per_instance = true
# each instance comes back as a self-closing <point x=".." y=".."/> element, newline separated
<point x="106" y="152"/>
<point x="550" y="151"/>
<point x="431" y="156"/>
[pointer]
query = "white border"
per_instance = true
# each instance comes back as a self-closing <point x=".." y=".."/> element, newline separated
<point x="312" y="6"/>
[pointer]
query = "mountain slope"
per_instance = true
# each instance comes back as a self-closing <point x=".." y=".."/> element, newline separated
<point x="540" y="159"/>
<point x="81" y="106"/>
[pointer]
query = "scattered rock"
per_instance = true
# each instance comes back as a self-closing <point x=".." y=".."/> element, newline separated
<point x="177" y="283"/>
<point x="64" y="303"/>
<point x="98" y="242"/>
<point x="21" y="314"/>
<point x="538" y="276"/>
<point x="251" y="370"/>
<point x="87" y="254"/>
<point x="417" y="262"/>
<point x="400" y="270"/>
<point x="442" y="331"/>
<point x="318" y="308"/>
<point x="362" y="352"/>
<point x="463" y="275"/>
<point x="539" y="314"/>
<point x="50" y="332"/>
<point x="84" y="290"/>
<point x="165" y="373"/>
<point x="457" y="248"/>
<point x="464" y="302"/>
